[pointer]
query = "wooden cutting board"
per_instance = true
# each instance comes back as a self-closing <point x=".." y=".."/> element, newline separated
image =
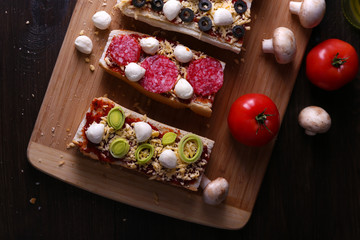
<point x="73" y="86"/>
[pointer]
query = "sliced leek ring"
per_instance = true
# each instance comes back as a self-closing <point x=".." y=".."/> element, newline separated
<point x="116" y="118"/>
<point x="119" y="147"/>
<point x="142" y="160"/>
<point x="168" y="138"/>
<point x="182" y="144"/>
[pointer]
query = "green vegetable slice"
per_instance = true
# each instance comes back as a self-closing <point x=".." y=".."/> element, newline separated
<point x="189" y="157"/>
<point x="116" y="118"/>
<point x="119" y="147"/>
<point x="168" y="138"/>
<point x="144" y="149"/>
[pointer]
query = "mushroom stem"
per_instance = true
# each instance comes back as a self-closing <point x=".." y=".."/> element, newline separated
<point x="204" y="182"/>
<point x="267" y="46"/>
<point x="214" y="191"/>
<point x="295" y="7"/>
<point x="310" y="133"/>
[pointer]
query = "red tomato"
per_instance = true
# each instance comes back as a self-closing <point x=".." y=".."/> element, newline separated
<point x="332" y="64"/>
<point x="254" y="119"/>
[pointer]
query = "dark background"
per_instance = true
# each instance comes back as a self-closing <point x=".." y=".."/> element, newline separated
<point x="311" y="189"/>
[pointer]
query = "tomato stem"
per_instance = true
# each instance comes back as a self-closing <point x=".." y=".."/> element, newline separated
<point x="260" y="119"/>
<point x="337" y="62"/>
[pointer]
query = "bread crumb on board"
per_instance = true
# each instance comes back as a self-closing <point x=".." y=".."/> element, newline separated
<point x="87" y="60"/>
<point x="156" y="198"/>
<point x="82" y="32"/>
<point x="92" y="67"/>
<point x="61" y="163"/>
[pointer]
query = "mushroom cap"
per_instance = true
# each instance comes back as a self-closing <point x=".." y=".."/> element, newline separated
<point x="312" y="12"/>
<point x="284" y="43"/>
<point x="216" y="191"/>
<point x="315" y="120"/>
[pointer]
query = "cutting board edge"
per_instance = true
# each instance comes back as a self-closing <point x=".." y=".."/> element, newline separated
<point x="235" y="218"/>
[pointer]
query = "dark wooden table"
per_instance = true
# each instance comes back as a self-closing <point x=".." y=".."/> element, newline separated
<point x="311" y="189"/>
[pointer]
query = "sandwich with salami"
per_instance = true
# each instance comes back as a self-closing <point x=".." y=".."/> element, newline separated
<point x="219" y="22"/>
<point x="164" y="70"/>
<point x="113" y="134"/>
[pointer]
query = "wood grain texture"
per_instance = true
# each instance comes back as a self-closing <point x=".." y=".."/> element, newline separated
<point x="73" y="85"/>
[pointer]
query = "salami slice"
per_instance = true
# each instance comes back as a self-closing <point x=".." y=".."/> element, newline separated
<point x="124" y="49"/>
<point x="206" y="76"/>
<point x="161" y="74"/>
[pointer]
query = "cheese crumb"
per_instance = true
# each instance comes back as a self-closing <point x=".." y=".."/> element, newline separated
<point x="87" y="60"/>
<point x="32" y="200"/>
<point x="70" y="145"/>
<point x="82" y="32"/>
<point x="92" y="68"/>
<point x="61" y="163"/>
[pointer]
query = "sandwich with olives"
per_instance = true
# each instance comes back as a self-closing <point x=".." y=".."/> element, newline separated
<point x="113" y="134"/>
<point x="222" y="23"/>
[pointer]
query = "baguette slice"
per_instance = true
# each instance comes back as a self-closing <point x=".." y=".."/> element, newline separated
<point x="220" y="36"/>
<point x="184" y="175"/>
<point x="199" y="104"/>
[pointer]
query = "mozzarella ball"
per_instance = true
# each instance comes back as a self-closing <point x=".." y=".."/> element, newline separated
<point x="183" y="89"/>
<point x="101" y="20"/>
<point x="222" y="17"/>
<point x="134" y="72"/>
<point x="95" y="132"/>
<point x="84" y="44"/>
<point x="183" y="54"/>
<point x="171" y="9"/>
<point x="168" y="159"/>
<point x="149" y="45"/>
<point x="143" y="131"/>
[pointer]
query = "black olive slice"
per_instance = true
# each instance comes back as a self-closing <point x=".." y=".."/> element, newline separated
<point x="238" y="31"/>
<point x="138" y="3"/>
<point x="187" y="15"/>
<point x="205" y="24"/>
<point x="240" y="6"/>
<point x="157" y="5"/>
<point x="205" y="5"/>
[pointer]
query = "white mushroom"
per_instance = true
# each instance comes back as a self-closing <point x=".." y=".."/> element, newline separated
<point x="282" y="45"/>
<point x="314" y="120"/>
<point x="310" y="12"/>
<point x="214" y="191"/>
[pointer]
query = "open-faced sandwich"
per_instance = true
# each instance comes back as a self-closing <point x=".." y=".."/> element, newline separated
<point x="113" y="134"/>
<point x="219" y="22"/>
<point x="164" y="70"/>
